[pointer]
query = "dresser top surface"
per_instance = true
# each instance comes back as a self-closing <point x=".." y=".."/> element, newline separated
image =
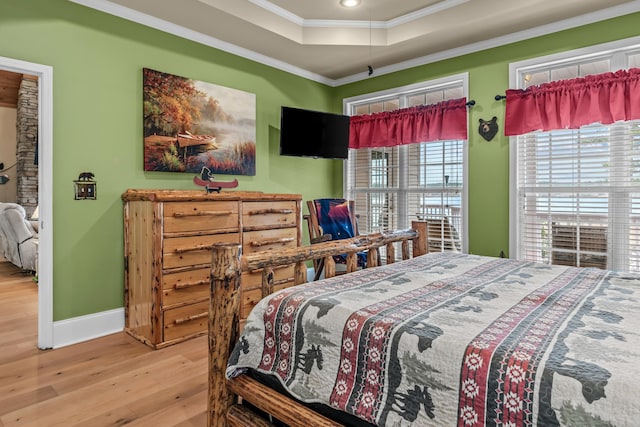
<point x="201" y="195"/>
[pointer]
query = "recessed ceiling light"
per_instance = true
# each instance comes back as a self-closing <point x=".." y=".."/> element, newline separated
<point x="349" y="3"/>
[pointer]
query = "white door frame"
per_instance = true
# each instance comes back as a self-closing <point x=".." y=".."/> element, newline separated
<point x="45" y="187"/>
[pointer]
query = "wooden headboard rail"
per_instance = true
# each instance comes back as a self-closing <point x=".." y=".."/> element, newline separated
<point x="227" y="266"/>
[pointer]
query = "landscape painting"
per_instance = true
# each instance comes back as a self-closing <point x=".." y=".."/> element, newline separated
<point x="191" y="125"/>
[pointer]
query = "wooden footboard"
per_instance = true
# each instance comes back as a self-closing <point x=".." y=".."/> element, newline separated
<point x="226" y="396"/>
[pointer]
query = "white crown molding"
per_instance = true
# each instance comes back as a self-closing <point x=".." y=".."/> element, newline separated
<point x="430" y="10"/>
<point x="333" y="23"/>
<point x="281" y="12"/>
<point x="180" y="31"/>
<point x="162" y="25"/>
<point x="346" y="24"/>
<point x="542" y="30"/>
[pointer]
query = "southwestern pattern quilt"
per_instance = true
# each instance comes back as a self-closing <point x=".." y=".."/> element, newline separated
<point x="452" y="339"/>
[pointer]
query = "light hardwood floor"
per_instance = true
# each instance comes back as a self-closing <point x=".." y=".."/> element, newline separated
<point x="109" y="381"/>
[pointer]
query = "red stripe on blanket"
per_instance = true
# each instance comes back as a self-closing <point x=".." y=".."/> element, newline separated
<point x="383" y="319"/>
<point x="272" y="346"/>
<point x="279" y="350"/>
<point x="514" y="379"/>
<point x="380" y="321"/>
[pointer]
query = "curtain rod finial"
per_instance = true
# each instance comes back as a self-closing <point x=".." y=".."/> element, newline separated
<point x="500" y="97"/>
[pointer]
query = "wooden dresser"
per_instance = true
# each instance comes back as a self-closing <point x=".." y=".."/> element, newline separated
<point x="168" y="236"/>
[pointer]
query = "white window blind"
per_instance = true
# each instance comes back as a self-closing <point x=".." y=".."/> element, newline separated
<point x="577" y="192"/>
<point x="393" y="186"/>
<point x="579" y="196"/>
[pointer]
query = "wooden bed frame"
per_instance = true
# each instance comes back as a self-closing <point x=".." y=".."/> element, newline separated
<point x="225" y="397"/>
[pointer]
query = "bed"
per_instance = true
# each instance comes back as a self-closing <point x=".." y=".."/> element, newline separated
<point x="441" y="339"/>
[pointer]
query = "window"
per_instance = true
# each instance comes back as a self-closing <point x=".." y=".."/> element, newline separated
<point x="576" y="193"/>
<point x="392" y="186"/>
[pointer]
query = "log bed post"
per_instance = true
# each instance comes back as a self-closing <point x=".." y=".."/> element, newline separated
<point x="391" y="253"/>
<point x="373" y="258"/>
<point x="421" y="243"/>
<point x="223" y="310"/>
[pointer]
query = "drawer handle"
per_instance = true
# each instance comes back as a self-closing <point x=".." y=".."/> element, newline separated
<point x="190" y="284"/>
<point x="282" y="281"/>
<point x="192" y="248"/>
<point x="190" y="318"/>
<point x="272" y="241"/>
<point x="271" y="211"/>
<point x="202" y="213"/>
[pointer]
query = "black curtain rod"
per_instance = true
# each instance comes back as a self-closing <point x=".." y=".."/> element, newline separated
<point x="500" y="97"/>
<point x="471" y="103"/>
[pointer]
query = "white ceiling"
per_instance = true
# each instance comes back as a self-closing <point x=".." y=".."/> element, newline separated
<point x="323" y="41"/>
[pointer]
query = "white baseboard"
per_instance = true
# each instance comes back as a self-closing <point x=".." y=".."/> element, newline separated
<point x="84" y="328"/>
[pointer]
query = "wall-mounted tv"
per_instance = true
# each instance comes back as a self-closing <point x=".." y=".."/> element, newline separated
<point x="308" y="133"/>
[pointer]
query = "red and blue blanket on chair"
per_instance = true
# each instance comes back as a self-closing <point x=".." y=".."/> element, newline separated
<point x="334" y="218"/>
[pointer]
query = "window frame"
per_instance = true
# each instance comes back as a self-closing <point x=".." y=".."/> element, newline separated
<point x="403" y="93"/>
<point x="619" y="54"/>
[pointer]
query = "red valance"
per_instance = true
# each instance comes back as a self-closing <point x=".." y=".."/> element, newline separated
<point x="569" y="104"/>
<point x="441" y="121"/>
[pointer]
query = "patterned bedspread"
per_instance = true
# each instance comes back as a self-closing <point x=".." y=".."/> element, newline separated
<point x="452" y="339"/>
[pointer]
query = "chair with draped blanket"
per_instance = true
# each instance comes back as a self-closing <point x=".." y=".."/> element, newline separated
<point x="332" y="219"/>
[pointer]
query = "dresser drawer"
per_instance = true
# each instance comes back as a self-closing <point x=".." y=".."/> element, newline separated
<point x="200" y="216"/>
<point x="257" y="215"/>
<point x="252" y="297"/>
<point x="193" y="250"/>
<point x="253" y="279"/>
<point x="188" y="320"/>
<point x="180" y="288"/>
<point x="264" y="240"/>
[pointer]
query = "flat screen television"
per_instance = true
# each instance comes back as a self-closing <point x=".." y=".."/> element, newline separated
<point x="307" y="133"/>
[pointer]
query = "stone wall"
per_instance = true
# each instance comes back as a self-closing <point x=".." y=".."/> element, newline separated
<point x="27" y="140"/>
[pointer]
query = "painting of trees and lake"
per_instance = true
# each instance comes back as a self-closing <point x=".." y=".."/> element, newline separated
<point x="190" y="124"/>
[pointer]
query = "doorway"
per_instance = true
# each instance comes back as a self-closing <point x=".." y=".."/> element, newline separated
<point x="45" y="186"/>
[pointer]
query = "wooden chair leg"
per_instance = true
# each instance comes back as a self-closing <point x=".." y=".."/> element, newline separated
<point x="319" y="270"/>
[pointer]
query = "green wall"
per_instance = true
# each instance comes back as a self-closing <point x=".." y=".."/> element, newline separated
<point x="97" y="65"/>
<point x="488" y="76"/>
